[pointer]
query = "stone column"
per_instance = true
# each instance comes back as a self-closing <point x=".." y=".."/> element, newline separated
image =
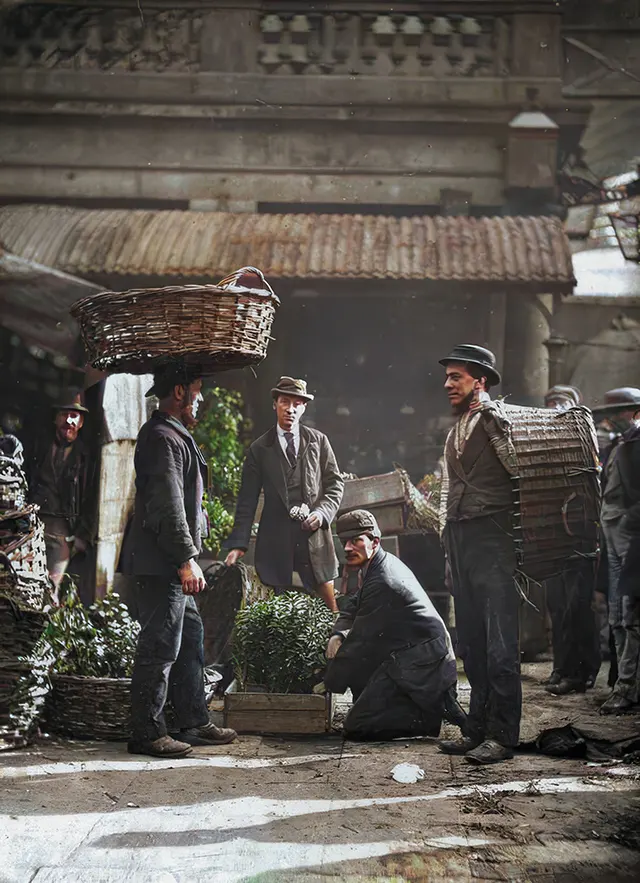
<point x="526" y="358"/>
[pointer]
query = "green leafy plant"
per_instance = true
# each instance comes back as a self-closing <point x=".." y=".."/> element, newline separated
<point x="98" y="641"/>
<point x="219" y="436"/>
<point x="279" y="643"/>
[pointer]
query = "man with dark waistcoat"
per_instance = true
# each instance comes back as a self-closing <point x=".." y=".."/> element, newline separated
<point x="478" y="506"/>
<point x="296" y="469"/>
<point x="161" y="549"/>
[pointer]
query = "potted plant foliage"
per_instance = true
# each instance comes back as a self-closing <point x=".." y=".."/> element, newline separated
<point x="279" y="645"/>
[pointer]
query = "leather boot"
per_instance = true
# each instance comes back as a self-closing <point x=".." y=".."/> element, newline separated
<point x="566" y="686"/>
<point x="489" y="752"/>
<point x="457" y="746"/>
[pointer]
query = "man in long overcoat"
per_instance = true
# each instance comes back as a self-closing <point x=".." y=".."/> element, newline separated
<point x="62" y="481"/>
<point x="161" y="550"/>
<point x="296" y="469"/>
<point x="389" y="645"/>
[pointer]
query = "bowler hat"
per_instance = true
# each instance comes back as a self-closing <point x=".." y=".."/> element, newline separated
<point x="71" y="401"/>
<point x="354" y="524"/>
<point x="173" y="374"/>
<point x="624" y="398"/>
<point x="475" y="355"/>
<point x="289" y="386"/>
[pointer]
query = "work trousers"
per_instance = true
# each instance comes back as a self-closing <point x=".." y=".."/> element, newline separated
<point x="576" y="652"/>
<point x="617" y="540"/>
<point x="482" y="558"/>
<point x="169" y="662"/>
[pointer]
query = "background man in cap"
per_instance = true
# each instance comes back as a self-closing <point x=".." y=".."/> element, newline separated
<point x="620" y="521"/>
<point x="161" y="549"/>
<point x="569" y="595"/>
<point x="296" y="468"/>
<point x="61" y="478"/>
<point x="478" y="507"/>
<point x="389" y="646"/>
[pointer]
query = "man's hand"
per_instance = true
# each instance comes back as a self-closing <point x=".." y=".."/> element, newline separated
<point x="312" y="523"/>
<point x="191" y="577"/>
<point x="335" y="642"/>
<point x="233" y="557"/>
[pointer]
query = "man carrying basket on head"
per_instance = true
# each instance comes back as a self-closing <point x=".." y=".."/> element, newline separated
<point x="161" y="549"/>
<point x="296" y="468"/>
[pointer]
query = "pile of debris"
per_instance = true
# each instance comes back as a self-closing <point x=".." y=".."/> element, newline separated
<point x="24" y="588"/>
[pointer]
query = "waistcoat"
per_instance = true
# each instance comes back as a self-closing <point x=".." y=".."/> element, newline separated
<point x="478" y="482"/>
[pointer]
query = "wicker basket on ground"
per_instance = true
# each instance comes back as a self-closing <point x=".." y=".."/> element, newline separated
<point x="13" y="486"/>
<point x="23" y="558"/>
<point x="89" y="708"/>
<point x="216" y="327"/>
<point x="20" y="629"/>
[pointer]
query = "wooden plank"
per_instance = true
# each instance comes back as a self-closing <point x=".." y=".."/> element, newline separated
<point x="376" y="490"/>
<point x="297" y="702"/>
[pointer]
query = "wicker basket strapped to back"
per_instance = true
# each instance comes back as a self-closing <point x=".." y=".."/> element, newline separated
<point x="24" y="577"/>
<point x="216" y="327"/>
<point x="557" y="488"/>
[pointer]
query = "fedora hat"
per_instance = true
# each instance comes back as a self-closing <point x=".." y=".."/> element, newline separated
<point x="290" y="386"/>
<point x="72" y="400"/>
<point x="624" y="398"/>
<point x="475" y="355"/>
<point x="165" y="377"/>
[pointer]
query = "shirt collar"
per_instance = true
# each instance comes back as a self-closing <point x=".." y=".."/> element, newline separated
<point x="295" y="431"/>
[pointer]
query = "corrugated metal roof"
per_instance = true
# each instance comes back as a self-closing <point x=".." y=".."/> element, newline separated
<point x="295" y="246"/>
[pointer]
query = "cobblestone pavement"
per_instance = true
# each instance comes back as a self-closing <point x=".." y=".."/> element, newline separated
<point x="317" y="809"/>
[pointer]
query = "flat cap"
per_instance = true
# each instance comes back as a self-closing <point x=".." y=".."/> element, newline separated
<point x="354" y="524"/>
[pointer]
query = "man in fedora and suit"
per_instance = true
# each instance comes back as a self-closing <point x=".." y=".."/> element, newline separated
<point x="296" y="469"/>
<point x="61" y="477"/>
<point x="477" y="507"/>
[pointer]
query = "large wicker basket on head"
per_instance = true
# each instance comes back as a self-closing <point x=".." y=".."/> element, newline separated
<point x="94" y="708"/>
<point x="216" y="327"/>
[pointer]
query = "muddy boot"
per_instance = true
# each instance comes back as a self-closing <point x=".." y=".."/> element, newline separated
<point x="457" y="746"/>
<point x="164" y="746"/>
<point x="489" y="752"/>
<point x="566" y="686"/>
<point x="554" y="678"/>
<point x="208" y="734"/>
<point x="616" y="705"/>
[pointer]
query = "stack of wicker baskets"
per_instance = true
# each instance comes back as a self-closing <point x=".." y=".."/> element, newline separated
<point x="23" y="588"/>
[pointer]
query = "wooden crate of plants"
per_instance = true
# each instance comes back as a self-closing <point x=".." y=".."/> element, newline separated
<point x="258" y="712"/>
<point x="278" y="651"/>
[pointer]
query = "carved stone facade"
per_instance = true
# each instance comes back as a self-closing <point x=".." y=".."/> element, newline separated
<point x="384" y="45"/>
<point x="53" y="37"/>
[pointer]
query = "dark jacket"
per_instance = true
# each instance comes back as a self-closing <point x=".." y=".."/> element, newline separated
<point x="77" y="487"/>
<point x="171" y="476"/>
<point x="479" y="484"/>
<point x="392" y="621"/>
<point x="322" y="489"/>
<point x="629" y="466"/>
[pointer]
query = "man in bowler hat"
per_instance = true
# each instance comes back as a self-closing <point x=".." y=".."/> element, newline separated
<point x="61" y="476"/>
<point x="478" y="507"/>
<point x="296" y="469"/>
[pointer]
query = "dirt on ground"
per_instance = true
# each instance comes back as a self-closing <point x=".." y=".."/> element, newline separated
<point x="278" y="810"/>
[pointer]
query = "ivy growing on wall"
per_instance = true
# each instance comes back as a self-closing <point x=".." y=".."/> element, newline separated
<point x="219" y="434"/>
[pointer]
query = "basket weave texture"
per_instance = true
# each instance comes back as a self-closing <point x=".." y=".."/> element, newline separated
<point x="13" y="486"/>
<point x="20" y="630"/>
<point x="23" y="558"/>
<point x="206" y="325"/>
<point x="557" y="488"/>
<point x="93" y="708"/>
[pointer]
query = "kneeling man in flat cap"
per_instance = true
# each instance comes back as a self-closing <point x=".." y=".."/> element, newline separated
<point x="389" y="646"/>
<point x="296" y="469"/>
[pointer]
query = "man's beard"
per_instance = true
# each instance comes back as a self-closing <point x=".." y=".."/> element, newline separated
<point x="463" y="406"/>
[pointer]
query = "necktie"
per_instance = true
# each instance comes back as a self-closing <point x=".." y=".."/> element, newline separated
<point x="291" y="450"/>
